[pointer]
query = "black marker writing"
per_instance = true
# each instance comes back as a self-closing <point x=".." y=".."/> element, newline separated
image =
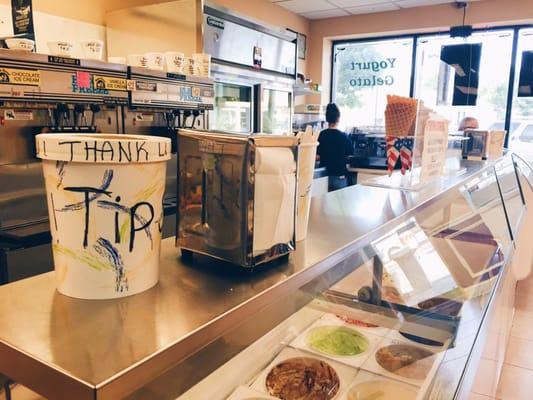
<point x="133" y="228"/>
<point x="86" y="191"/>
<point x="140" y="147"/>
<point x="71" y="143"/>
<point x="117" y="228"/>
<point x="122" y="151"/>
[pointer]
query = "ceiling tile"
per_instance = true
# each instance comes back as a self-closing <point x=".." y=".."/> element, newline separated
<point x="337" y="12"/>
<point x="418" y="3"/>
<point x="306" y="6"/>
<point x="373" y="8"/>
<point x="355" y="3"/>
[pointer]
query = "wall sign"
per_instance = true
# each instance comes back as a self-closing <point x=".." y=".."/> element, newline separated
<point x="372" y="73"/>
<point x="525" y="84"/>
<point x="12" y="76"/>
<point x="110" y="83"/>
<point x="465" y="60"/>
<point x="22" y="14"/>
<point x="302" y="46"/>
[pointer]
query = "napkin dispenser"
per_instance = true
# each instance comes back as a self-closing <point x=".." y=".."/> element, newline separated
<point x="236" y="196"/>
<point x="477" y="145"/>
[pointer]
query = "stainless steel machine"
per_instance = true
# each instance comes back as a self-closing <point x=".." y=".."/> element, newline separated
<point x="254" y="68"/>
<point x="237" y="196"/>
<point x="41" y="93"/>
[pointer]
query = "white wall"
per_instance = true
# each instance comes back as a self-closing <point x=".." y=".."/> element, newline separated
<point x="51" y="28"/>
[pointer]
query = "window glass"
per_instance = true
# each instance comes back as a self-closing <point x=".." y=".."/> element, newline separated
<point x="434" y="81"/>
<point x="520" y="133"/>
<point x="364" y="73"/>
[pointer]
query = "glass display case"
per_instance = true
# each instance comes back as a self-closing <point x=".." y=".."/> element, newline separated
<point x="407" y="316"/>
<point x="233" y="108"/>
<point x="393" y="295"/>
<point x="276" y="108"/>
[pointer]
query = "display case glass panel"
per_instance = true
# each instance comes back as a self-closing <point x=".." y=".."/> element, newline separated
<point x="276" y="112"/>
<point x="233" y="108"/>
<point x="396" y="318"/>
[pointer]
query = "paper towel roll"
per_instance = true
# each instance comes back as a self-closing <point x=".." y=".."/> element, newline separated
<point x="274" y="160"/>
<point x="274" y="197"/>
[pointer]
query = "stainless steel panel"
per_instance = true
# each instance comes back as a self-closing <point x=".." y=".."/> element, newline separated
<point x="24" y="263"/>
<point x="233" y="39"/>
<point x="60" y="81"/>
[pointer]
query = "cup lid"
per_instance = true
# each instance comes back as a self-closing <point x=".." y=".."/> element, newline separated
<point x="102" y="148"/>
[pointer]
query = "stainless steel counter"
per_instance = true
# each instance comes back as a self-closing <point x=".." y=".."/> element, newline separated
<point x="77" y="349"/>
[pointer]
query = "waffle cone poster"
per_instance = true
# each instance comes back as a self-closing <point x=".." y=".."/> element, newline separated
<point x="434" y="149"/>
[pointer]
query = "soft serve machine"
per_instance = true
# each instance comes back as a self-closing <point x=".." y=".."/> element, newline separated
<point x="41" y="93"/>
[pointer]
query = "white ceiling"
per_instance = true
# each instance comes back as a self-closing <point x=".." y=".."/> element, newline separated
<point x="319" y="9"/>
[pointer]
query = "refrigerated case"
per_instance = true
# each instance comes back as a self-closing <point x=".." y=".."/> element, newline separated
<point x="275" y="108"/>
<point x="234" y="42"/>
<point x="233" y="108"/>
<point x="393" y="295"/>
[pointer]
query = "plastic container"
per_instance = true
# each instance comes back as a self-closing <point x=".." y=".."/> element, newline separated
<point x="174" y="61"/>
<point x="137" y="60"/>
<point x="20" y="44"/>
<point x="93" y="49"/>
<point x="61" y="48"/>
<point x="104" y="195"/>
<point x="154" y="61"/>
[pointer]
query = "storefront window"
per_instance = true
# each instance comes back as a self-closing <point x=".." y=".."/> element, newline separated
<point x="521" y="130"/>
<point x="365" y="73"/>
<point x="433" y="80"/>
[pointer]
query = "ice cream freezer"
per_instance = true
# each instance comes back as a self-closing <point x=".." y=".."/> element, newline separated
<point x="391" y="292"/>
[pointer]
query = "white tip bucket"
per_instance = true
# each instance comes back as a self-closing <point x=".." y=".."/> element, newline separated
<point x="105" y="194"/>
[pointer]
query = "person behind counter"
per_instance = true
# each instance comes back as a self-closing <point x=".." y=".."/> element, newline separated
<point x="334" y="147"/>
<point x="468" y="123"/>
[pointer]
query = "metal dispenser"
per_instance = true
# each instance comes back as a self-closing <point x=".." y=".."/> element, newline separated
<point x="237" y="196"/>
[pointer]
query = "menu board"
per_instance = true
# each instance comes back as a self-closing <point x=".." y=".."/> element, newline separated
<point x="434" y="149"/>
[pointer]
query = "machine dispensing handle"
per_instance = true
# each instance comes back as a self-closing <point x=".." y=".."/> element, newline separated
<point x="204" y="197"/>
<point x="95" y="108"/>
<point x="79" y="114"/>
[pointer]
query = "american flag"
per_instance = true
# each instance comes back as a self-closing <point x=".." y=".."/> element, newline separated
<point x="393" y="152"/>
<point x="406" y="156"/>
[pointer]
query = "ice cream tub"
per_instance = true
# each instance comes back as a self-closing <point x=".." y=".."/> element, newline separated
<point x="104" y="194"/>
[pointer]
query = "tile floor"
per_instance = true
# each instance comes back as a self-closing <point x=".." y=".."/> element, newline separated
<point x="516" y="381"/>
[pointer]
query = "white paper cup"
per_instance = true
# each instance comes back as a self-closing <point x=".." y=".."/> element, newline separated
<point x="155" y="61"/>
<point x="202" y="64"/>
<point x="306" y="169"/>
<point x="93" y="49"/>
<point x="61" y="48"/>
<point x="26" y="45"/>
<point x="117" y="60"/>
<point x="105" y="195"/>
<point x="174" y="61"/>
<point x="137" y="60"/>
<point x="189" y="67"/>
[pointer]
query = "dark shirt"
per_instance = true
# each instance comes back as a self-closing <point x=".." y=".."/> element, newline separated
<point x="333" y="148"/>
